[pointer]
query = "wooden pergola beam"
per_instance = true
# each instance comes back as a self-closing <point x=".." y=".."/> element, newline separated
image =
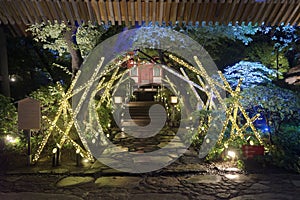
<point x="21" y="13"/>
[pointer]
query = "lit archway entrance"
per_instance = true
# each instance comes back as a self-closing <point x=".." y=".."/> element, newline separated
<point x="101" y="74"/>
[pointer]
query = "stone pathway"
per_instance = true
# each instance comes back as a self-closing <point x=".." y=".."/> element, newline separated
<point x="187" y="178"/>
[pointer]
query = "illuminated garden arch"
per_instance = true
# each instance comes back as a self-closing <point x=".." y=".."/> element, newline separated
<point x="92" y="78"/>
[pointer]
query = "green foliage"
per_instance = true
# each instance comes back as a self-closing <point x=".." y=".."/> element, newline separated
<point x="105" y="115"/>
<point x="210" y="34"/>
<point x="49" y="98"/>
<point x="285" y="151"/>
<point x="52" y="36"/>
<point x="10" y="139"/>
<point x="8" y="116"/>
<point x="264" y="52"/>
<point x="278" y="103"/>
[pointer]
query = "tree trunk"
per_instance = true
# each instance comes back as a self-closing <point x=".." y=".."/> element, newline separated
<point x="77" y="60"/>
<point x="5" y="88"/>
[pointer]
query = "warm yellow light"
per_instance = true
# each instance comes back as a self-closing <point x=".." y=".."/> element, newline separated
<point x="174" y="99"/>
<point x="54" y="150"/>
<point x="231" y="154"/>
<point x="118" y="100"/>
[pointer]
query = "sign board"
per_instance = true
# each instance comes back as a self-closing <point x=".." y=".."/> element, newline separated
<point x="29" y="114"/>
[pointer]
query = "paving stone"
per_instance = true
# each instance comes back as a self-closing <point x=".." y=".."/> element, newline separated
<point x="163" y="181"/>
<point x="187" y="168"/>
<point x="259" y="187"/>
<point x="239" y="178"/>
<point x="33" y="195"/>
<point x="118" y="181"/>
<point x="296" y="183"/>
<point x="60" y="171"/>
<point x="204" y="179"/>
<point x="223" y="195"/>
<point x="74" y="180"/>
<point x="155" y="196"/>
<point x="151" y="159"/>
<point x="264" y="196"/>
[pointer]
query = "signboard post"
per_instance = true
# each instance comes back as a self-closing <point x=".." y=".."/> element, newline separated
<point x="29" y="118"/>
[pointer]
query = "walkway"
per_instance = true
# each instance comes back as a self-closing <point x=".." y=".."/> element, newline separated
<point x="187" y="178"/>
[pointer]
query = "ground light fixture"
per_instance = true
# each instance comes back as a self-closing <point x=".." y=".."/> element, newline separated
<point x="174" y="99"/>
<point x="231" y="154"/>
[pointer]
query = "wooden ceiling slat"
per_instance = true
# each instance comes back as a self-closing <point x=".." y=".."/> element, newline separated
<point x="167" y="11"/>
<point x="41" y="13"/>
<point x="246" y="14"/>
<point x="274" y="12"/>
<point x="132" y="11"/>
<point x="219" y="10"/>
<point x="281" y="12"/>
<point x="271" y="12"/>
<point x="125" y="12"/>
<point x="62" y="12"/>
<point x="296" y="20"/>
<point x="181" y="12"/>
<point x="16" y="12"/>
<point x="147" y="10"/>
<point x="25" y="10"/>
<point x="239" y="11"/>
<point x="54" y="12"/>
<point x="68" y="12"/>
<point x="11" y="11"/>
<point x="103" y="11"/>
<point x="252" y="13"/>
<point x="91" y="13"/>
<point x="49" y="12"/>
<point x="202" y="11"/>
<point x="161" y="12"/>
<point x="153" y="6"/>
<point x="111" y="12"/>
<point x="189" y="11"/>
<point x="262" y="6"/>
<point x="232" y="11"/>
<point x="225" y="11"/>
<point x="174" y="12"/>
<point x="34" y="10"/>
<point x="287" y="13"/>
<point x="6" y="13"/>
<point x="209" y="17"/>
<point x="82" y="11"/>
<point x="75" y="11"/>
<point x="267" y="12"/>
<point x="195" y="11"/>
<point x="97" y="11"/>
<point x="117" y="9"/>
<point x="20" y="11"/>
<point x="3" y="19"/>
<point x="139" y="12"/>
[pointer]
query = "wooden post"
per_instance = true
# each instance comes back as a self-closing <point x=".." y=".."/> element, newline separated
<point x="4" y="65"/>
<point x="28" y="135"/>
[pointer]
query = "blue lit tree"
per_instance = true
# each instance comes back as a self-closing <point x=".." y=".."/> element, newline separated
<point x="252" y="73"/>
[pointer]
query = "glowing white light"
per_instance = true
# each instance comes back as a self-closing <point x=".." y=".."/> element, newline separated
<point x="251" y="142"/>
<point x="174" y="99"/>
<point x="54" y="150"/>
<point x="11" y="139"/>
<point x="107" y="135"/>
<point x="231" y="154"/>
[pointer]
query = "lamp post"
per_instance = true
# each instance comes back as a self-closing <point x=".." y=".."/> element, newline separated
<point x="118" y="100"/>
<point x="174" y="101"/>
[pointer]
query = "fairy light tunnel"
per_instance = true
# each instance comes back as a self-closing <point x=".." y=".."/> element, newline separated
<point x="98" y="81"/>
